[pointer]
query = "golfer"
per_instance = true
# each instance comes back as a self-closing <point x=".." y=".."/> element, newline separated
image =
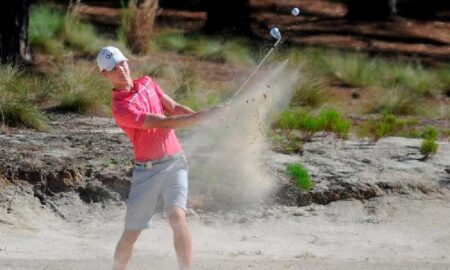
<point x="148" y="116"/>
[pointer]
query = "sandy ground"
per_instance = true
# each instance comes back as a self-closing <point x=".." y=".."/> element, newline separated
<point x="404" y="225"/>
<point x="390" y="232"/>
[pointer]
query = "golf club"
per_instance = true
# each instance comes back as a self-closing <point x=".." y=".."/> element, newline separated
<point x="275" y="33"/>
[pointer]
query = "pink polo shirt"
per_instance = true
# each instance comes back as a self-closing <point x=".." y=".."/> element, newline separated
<point x="129" y="110"/>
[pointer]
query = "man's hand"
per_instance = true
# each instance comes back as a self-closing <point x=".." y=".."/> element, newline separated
<point x="219" y="111"/>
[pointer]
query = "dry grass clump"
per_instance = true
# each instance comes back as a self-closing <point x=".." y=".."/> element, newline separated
<point x="16" y="101"/>
<point x="398" y="102"/>
<point x="141" y="20"/>
<point x="310" y="91"/>
<point x="81" y="89"/>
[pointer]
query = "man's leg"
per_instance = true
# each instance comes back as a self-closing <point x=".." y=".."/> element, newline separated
<point x="181" y="237"/>
<point x="124" y="249"/>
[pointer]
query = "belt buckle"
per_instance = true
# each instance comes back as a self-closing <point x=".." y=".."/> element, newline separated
<point x="148" y="165"/>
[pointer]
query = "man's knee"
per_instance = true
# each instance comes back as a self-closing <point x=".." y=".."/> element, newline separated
<point x="129" y="237"/>
<point x="177" y="217"/>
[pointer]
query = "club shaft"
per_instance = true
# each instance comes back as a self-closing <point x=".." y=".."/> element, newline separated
<point x="254" y="72"/>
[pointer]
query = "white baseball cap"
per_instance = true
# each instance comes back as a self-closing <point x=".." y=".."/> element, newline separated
<point x="108" y="57"/>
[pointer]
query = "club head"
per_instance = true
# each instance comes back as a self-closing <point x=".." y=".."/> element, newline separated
<point x="275" y="33"/>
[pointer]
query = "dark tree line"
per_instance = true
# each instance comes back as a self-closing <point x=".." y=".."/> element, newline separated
<point x="231" y="16"/>
<point x="14" y="17"/>
<point x="390" y="9"/>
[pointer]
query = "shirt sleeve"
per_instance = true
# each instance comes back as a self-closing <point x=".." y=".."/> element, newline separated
<point x="128" y="115"/>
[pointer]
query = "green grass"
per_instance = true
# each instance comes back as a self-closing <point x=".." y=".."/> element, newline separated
<point x="328" y="120"/>
<point x="388" y="125"/>
<point x="359" y="70"/>
<point x="353" y="69"/>
<point x="81" y="36"/>
<point x="229" y="50"/>
<point x="428" y="148"/>
<point x="398" y="102"/>
<point x="299" y="174"/>
<point x="309" y="92"/>
<point x="82" y="90"/>
<point x="287" y="142"/>
<point x="18" y="112"/>
<point x="55" y="32"/>
<point x="444" y="80"/>
<point x="429" y="133"/>
<point x="46" y="25"/>
<point x="16" y="101"/>
<point x="412" y="77"/>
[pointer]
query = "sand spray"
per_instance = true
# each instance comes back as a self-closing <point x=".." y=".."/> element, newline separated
<point x="226" y="157"/>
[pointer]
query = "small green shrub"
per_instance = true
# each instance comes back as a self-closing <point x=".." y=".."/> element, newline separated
<point x="388" y="125"/>
<point x="299" y="174"/>
<point x="429" y="133"/>
<point x="328" y="120"/>
<point x="287" y="120"/>
<point x="428" y="148"/>
<point x="377" y="129"/>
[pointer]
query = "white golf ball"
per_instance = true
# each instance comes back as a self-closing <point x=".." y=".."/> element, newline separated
<point x="295" y="11"/>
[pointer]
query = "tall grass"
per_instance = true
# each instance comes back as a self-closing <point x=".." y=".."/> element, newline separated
<point x="410" y="76"/>
<point x="444" y="80"/>
<point x="140" y="21"/>
<point x="82" y="90"/>
<point x="360" y="70"/>
<point x="231" y="50"/>
<point x="53" y="31"/>
<point x="16" y="106"/>
<point x="46" y="25"/>
<point x="353" y="69"/>
<point x="398" y="102"/>
<point x="309" y="91"/>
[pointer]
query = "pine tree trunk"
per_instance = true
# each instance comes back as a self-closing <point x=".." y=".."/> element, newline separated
<point x="143" y="14"/>
<point x="231" y="16"/>
<point x="14" y="18"/>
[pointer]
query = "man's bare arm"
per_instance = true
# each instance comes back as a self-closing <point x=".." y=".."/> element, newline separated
<point x="173" y="107"/>
<point x="175" y="121"/>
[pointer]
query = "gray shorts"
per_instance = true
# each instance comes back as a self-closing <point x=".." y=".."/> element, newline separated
<point x="169" y="178"/>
